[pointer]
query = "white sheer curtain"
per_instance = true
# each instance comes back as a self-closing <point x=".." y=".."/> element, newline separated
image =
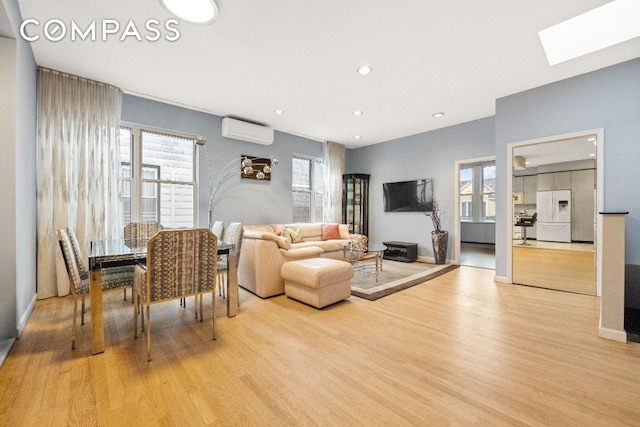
<point x="78" y="166"/>
<point x="334" y="159"/>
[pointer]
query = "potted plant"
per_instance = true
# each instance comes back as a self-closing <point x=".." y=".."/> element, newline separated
<point x="439" y="237"/>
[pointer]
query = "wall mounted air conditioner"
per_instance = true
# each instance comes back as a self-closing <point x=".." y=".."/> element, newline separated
<point x="243" y="131"/>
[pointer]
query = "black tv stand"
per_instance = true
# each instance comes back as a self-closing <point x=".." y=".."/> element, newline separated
<point x="401" y="251"/>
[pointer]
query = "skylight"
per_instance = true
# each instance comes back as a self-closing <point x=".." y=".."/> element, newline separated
<point x="602" y="27"/>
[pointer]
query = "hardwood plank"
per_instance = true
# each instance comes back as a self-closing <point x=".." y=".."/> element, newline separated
<point x="565" y="270"/>
<point x="459" y="349"/>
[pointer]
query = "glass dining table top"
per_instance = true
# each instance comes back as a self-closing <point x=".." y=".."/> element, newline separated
<point x="123" y="251"/>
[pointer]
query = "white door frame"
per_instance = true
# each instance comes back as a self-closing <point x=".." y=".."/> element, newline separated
<point x="508" y="226"/>
<point x="456" y="210"/>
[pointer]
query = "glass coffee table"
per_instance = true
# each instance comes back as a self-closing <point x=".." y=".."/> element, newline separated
<point x="354" y="256"/>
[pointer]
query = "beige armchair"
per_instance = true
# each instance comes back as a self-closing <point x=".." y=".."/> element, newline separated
<point x="180" y="263"/>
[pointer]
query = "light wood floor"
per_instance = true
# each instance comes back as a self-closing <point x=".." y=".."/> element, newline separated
<point x="565" y="270"/>
<point x="457" y="350"/>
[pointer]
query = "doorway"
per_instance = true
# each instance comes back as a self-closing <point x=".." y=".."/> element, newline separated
<point x="555" y="184"/>
<point x="475" y="212"/>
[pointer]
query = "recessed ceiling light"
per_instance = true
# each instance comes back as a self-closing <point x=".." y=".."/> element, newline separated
<point x="357" y="113"/>
<point x="278" y="112"/>
<point x="364" y="70"/>
<point x="604" y="26"/>
<point x="592" y="155"/>
<point x="194" y="11"/>
<point x="440" y="114"/>
<point x="356" y="136"/>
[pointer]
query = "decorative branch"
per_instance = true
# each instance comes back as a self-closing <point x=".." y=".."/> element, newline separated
<point x="437" y="214"/>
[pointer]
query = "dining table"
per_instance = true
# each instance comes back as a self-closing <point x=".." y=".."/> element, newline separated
<point x="114" y="253"/>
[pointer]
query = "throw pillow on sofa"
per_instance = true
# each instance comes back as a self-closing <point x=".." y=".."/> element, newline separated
<point x="283" y="242"/>
<point x="330" y="231"/>
<point x="293" y="233"/>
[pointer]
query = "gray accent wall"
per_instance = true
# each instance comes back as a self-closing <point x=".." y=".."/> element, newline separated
<point x="426" y="155"/>
<point x="18" y="84"/>
<point x="239" y="200"/>
<point x="608" y="98"/>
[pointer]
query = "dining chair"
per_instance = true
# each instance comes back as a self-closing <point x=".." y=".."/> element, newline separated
<point x="180" y="263"/>
<point x="218" y="229"/>
<point x="138" y="234"/>
<point x="79" y="286"/>
<point x="233" y="234"/>
<point x="141" y="231"/>
<point x="112" y="277"/>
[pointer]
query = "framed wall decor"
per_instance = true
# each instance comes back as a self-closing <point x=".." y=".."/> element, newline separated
<point x="252" y="167"/>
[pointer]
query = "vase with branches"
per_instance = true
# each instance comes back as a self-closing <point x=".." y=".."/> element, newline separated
<point x="439" y="237"/>
<point x="437" y="215"/>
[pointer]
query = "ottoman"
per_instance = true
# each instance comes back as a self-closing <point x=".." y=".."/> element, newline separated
<point x="318" y="282"/>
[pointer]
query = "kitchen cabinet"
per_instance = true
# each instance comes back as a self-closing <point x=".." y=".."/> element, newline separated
<point x="518" y="184"/>
<point x="530" y="189"/>
<point x="583" y="184"/>
<point x="554" y="181"/>
<point x="528" y="186"/>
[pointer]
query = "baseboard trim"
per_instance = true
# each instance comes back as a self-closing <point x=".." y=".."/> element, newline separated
<point x="5" y="346"/>
<point x="22" y="322"/>
<point x="612" y="334"/>
<point x="501" y="279"/>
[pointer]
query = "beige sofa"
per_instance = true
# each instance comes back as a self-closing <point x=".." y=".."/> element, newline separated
<point x="265" y="250"/>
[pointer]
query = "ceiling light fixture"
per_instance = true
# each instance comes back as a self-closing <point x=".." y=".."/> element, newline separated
<point x="356" y="136"/>
<point x="278" y="112"/>
<point x="194" y="11"/>
<point x="436" y="115"/>
<point x="357" y="113"/>
<point x="604" y="26"/>
<point x="364" y="70"/>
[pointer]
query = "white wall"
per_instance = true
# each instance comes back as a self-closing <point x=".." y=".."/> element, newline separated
<point x="426" y="155"/>
<point x="608" y="98"/>
<point x="8" y="188"/>
<point x="17" y="176"/>
<point x="240" y="200"/>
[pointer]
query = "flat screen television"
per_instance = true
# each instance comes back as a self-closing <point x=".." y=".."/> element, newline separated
<point x="408" y="196"/>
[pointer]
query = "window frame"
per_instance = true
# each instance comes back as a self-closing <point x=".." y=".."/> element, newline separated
<point x="313" y="191"/>
<point x="137" y="180"/>
<point x="478" y="203"/>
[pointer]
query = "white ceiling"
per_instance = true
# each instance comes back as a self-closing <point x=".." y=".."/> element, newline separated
<point x="560" y="151"/>
<point x="301" y="56"/>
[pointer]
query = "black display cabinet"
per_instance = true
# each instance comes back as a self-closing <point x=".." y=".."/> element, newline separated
<point x="355" y="202"/>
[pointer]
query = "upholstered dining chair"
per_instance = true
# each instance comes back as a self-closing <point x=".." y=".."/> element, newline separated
<point x="218" y="229"/>
<point x="112" y="277"/>
<point x="79" y="286"/>
<point x="233" y="234"/>
<point x="138" y="234"/>
<point x="141" y="231"/>
<point x="180" y="263"/>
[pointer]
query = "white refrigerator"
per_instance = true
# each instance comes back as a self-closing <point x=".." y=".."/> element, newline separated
<point x="554" y="216"/>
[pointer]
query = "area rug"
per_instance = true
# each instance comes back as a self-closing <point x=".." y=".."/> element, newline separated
<point x="395" y="276"/>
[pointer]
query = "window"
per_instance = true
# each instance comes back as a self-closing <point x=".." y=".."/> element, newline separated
<point x="157" y="176"/>
<point x="489" y="192"/>
<point x="478" y="192"/>
<point x="307" y="189"/>
<point x="466" y="194"/>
